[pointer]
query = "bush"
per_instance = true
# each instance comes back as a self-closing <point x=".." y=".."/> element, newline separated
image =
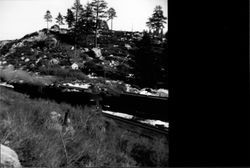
<point x="66" y="74"/>
<point x="93" y="143"/>
<point x="144" y="151"/>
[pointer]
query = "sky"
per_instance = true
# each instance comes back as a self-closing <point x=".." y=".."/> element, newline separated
<point x="21" y="17"/>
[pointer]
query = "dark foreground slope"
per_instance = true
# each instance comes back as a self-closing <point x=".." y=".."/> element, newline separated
<point x="95" y="141"/>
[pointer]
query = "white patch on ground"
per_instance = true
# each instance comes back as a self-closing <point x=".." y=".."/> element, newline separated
<point x="71" y="90"/>
<point x="127" y="116"/>
<point x="147" y="91"/>
<point x="82" y="86"/>
<point x="155" y="122"/>
<point x="92" y="77"/>
<point x="144" y="92"/>
<point x="147" y="121"/>
<point x="6" y="85"/>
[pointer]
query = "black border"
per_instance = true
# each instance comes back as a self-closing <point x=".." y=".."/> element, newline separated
<point x="209" y="83"/>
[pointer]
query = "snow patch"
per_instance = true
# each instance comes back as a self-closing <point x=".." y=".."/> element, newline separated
<point x="82" y="86"/>
<point x="6" y="85"/>
<point x="127" y="116"/>
<point x="155" y="122"/>
<point x="146" y="121"/>
<point x="147" y="91"/>
<point x="91" y="76"/>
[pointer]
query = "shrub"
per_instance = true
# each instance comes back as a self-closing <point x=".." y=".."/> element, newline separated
<point x="144" y="151"/>
<point x="38" y="146"/>
<point x="67" y="74"/>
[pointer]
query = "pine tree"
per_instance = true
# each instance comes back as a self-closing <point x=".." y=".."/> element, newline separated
<point x="157" y="21"/>
<point x="99" y="8"/>
<point x="70" y="19"/>
<point x="77" y="10"/>
<point x="48" y="18"/>
<point x="87" y="20"/>
<point x="59" y="19"/>
<point x="111" y="14"/>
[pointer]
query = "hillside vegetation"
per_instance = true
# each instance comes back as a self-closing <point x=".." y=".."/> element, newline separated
<point x="88" y="139"/>
<point x="118" y="58"/>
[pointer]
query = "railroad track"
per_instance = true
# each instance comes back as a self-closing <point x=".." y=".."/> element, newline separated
<point x="137" y="127"/>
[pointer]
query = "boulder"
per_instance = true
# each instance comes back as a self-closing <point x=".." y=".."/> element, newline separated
<point x="86" y="50"/>
<point x="54" y="61"/>
<point x="128" y="46"/>
<point x="97" y="52"/>
<point x="27" y="60"/>
<point x="9" y="158"/>
<point x="75" y="66"/>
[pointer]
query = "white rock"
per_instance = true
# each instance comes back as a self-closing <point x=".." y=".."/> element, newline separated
<point x="22" y="58"/>
<point x="91" y="76"/>
<point x="130" y="75"/>
<point x="86" y="49"/>
<point x="128" y="46"/>
<point x="54" y="61"/>
<point x="9" y="158"/>
<point x="75" y="66"/>
<point x="38" y="60"/>
<point x="27" y="60"/>
<point x="97" y="52"/>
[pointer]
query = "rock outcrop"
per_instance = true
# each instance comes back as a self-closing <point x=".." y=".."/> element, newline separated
<point x="74" y="66"/>
<point x="97" y="52"/>
<point x="9" y="158"/>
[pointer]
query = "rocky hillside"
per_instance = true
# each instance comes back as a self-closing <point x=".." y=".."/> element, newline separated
<point x="53" y="53"/>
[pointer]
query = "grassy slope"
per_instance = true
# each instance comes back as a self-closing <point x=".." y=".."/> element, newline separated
<point x="23" y="124"/>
